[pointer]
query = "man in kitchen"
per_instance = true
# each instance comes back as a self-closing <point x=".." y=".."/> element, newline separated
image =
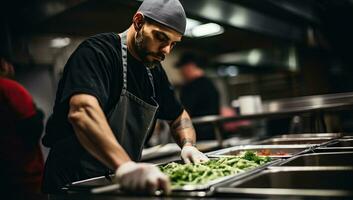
<point x="194" y="90"/>
<point x="112" y="90"/>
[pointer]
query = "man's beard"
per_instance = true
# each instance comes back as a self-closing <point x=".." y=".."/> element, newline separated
<point x="142" y="52"/>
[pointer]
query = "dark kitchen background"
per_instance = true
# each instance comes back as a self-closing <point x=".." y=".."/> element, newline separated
<point x="272" y="48"/>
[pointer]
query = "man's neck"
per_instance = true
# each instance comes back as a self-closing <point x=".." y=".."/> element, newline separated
<point x="130" y="42"/>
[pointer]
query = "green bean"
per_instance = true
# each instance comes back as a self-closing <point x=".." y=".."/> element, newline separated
<point x="192" y="174"/>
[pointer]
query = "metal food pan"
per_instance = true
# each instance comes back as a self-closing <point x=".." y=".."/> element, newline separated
<point x="332" y="149"/>
<point x="341" y="143"/>
<point x="273" y="151"/>
<point x="347" y="137"/>
<point x="293" y="181"/>
<point x="311" y="135"/>
<point x="301" y="178"/>
<point x="321" y="159"/>
<point x="224" y="179"/>
<point x="104" y="184"/>
<point x="289" y="141"/>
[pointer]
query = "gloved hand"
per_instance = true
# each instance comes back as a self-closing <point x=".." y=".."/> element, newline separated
<point x="142" y="177"/>
<point x="192" y="154"/>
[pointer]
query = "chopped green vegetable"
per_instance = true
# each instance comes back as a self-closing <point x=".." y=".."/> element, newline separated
<point x="200" y="173"/>
<point x="250" y="155"/>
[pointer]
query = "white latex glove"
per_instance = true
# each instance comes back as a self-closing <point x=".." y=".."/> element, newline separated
<point x="192" y="154"/>
<point x="142" y="177"/>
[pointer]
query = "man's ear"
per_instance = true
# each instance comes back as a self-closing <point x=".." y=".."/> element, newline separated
<point x="138" y="20"/>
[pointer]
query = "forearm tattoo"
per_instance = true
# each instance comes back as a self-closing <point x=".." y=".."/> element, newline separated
<point x="182" y="124"/>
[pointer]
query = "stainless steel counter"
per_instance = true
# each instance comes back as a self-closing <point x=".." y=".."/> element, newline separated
<point x="315" y="106"/>
<point x="305" y="172"/>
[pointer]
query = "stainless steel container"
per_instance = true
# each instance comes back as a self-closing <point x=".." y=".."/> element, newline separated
<point x="311" y="135"/>
<point x="342" y="143"/>
<point x="274" y="151"/>
<point x="332" y="149"/>
<point x="321" y="159"/>
<point x="294" y="181"/>
<point x="105" y="185"/>
<point x="314" y="141"/>
<point x="225" y="179"/>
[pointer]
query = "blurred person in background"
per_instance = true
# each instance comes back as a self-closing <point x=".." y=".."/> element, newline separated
<point x="112" y="90"/>
<point x="21" y="126"/>
<point x="198" y="94"/>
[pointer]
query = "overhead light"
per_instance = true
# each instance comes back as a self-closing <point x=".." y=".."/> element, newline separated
<point x="254" y="57"/>
<point x="232" y="70"/>
<point x="205" y="30"/>
<point x="239" y="18"/>
<point x="228" y="71"/>
<point x="316" y="101"/>
<point x="212" y="7"/>
<point x="60" y="42"/>
<point x="292" y="59"/>
<point x="190" y="24"/>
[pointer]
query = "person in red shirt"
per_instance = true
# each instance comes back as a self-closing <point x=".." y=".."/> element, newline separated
<point x="21" y="126"/>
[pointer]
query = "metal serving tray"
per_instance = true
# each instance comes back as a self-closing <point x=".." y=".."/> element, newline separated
<point x="294" y="181"/>
<point x="311" y="135"/>
<point x="105" y="185"/>
<point x="321" y="159"/>
<point x="314" y="141"/>
<point x="225" y="179"/>
<point x="275" y="151"/>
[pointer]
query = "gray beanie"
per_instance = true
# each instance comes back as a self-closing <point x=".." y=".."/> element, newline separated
<point x="170" y="13"/>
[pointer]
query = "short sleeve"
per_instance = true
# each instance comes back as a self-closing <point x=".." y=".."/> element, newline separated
<point x="87" y="71"/>
<point x="170" y="108"/>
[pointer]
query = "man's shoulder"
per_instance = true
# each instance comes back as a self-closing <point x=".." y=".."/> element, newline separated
<point x="17" y="95"/>
<point x="105" y="36"/>
<point x="9" y="84"/>
<point x="103" y="40"/>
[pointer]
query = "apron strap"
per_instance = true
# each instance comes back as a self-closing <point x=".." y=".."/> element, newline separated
<point x="124" y="59"/>
<point x="150" y="76"/>
<point x="123" y="38"/>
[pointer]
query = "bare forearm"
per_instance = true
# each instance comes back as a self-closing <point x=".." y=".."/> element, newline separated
<point x="183" y="130"/>
<point x="95" y="135"/>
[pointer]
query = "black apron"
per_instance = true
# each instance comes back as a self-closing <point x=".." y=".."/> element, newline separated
<point x="131" y="121"/>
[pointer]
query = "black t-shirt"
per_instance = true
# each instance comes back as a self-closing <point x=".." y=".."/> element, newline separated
<point x="200" y="97"/>
<point x="95" y="68"/>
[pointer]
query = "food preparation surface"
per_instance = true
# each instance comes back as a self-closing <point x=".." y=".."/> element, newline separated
<point x="320" y="168"/>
